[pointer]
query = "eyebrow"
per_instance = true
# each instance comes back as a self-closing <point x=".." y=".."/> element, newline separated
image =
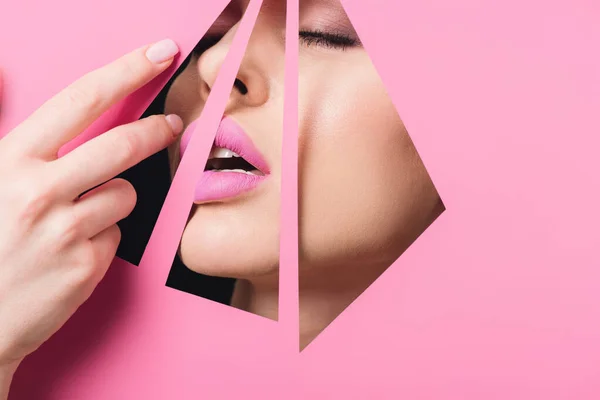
<point x="331" y="11"/>
<point x="328" y="16"/>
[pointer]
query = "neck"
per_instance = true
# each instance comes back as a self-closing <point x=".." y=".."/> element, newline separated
<point x="258" y="297"/>
<point x="324" y="294"/>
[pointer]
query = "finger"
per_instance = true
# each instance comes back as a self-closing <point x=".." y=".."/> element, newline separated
<point x="105" y="247"/>
<point x="71" y="111"/>
<point x="104" y="206"/>
<point x="106" y="156"/>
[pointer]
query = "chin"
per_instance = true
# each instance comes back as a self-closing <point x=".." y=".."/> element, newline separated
<point x="223" y="245"/>
<point x="205" y="261"/>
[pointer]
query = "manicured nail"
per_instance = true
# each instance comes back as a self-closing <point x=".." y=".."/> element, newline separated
<point x="175" y="123"/>
<point x="162" y="51"/>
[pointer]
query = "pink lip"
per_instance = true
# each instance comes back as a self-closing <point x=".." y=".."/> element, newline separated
<point x="215" y="186"/>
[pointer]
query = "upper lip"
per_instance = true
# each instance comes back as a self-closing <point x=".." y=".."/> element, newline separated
<point x="232" y="136"/>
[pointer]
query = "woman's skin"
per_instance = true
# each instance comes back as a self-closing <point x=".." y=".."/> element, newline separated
<point x="55" y="246"/>
<point x="365" y="195"/>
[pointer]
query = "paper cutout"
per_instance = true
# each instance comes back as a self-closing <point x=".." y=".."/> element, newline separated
<point x="501" y="100"/>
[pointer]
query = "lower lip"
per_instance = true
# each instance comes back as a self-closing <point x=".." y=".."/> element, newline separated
<point x="216" y="186"/>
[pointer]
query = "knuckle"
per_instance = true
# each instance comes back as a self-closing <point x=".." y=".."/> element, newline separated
<point x="67" y="230"/>
<point x="33" y="197"/>
<point x="109" y="246"/>
<point x="131" y="67"/>
<point x="10" y="151"/>
<point x="86" y="255"/>
<point x="127" y="193"/>
<point x="124" y="194"/>
<point x="85" y="264"/>
<point x="140" y="136"/>
<point x="95" y="258"/>
<point x="130" y="145"/>
<point x="158" y="124"/>
<point x="80" y="98"/>
<point x="123" y="185"/>
<point x="115" y="235"/>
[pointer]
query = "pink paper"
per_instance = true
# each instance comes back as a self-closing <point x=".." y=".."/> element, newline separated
<point x="498" y="299"/>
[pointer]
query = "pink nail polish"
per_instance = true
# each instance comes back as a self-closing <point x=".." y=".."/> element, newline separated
<point x="162" y="51"/>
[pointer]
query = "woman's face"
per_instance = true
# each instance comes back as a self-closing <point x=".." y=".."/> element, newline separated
<point x="364" y="193"/>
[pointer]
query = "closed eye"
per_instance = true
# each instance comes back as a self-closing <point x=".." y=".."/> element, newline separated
<point x="327" y="39"/>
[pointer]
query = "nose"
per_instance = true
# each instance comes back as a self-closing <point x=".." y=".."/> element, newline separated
<point x="251" y="86"/>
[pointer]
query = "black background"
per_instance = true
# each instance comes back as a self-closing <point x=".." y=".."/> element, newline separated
<point x="151" y="180"/>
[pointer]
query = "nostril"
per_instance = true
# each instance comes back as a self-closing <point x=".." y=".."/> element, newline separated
<point x="241" y="87"/>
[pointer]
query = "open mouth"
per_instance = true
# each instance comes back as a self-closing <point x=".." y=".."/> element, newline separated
<point x="225" y="160"/>
<point x="234" y="166"/>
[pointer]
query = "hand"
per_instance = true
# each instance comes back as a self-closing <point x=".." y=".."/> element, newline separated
<point x="55" y="245"/>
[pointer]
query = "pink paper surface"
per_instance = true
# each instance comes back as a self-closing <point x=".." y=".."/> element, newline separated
<point x="498" y="299"/>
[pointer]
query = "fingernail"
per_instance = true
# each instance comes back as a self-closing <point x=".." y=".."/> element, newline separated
<point x="162" y="51"/>
<point x="175" y="123"/>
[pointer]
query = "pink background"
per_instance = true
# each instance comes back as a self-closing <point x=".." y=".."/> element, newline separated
<point x="499" y="299"/>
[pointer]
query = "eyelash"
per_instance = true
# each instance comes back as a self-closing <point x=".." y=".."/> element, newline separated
<point x="329" y="40"/>
<point x="318" y="38"/>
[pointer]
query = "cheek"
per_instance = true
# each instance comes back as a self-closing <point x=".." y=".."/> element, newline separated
<point x="361" y="178"/>
<point x="184" y="97"/>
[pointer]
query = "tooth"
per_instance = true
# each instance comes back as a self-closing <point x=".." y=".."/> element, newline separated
<point x="220" y="152"/>
<point x="235" y="154"/>
<point x="240" y="171"/>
